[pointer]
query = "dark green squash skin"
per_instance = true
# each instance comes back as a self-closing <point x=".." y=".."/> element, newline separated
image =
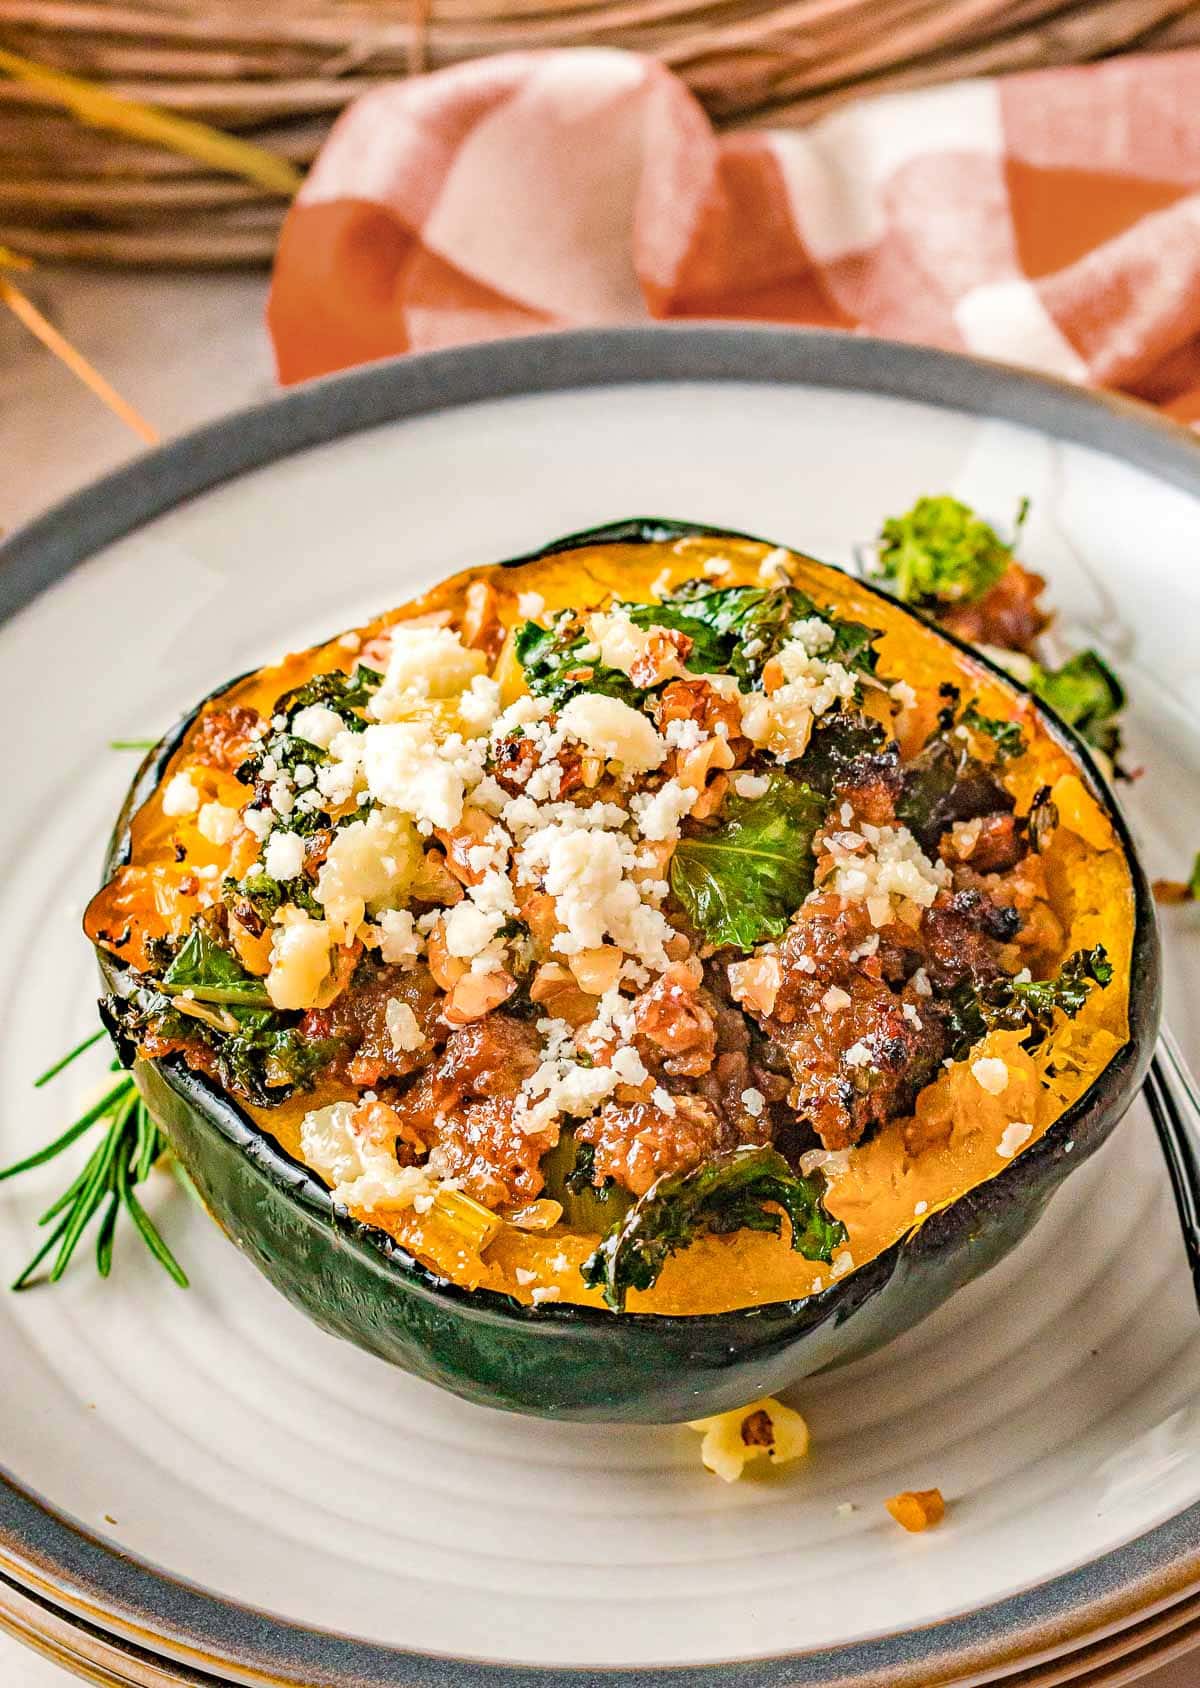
<point x="565" y="1361"/>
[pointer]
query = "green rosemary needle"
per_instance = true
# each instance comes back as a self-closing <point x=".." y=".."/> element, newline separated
<point x="123" y="1157"/>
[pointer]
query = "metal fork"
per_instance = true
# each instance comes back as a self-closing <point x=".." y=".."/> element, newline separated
<point x="1173" y="1098"/>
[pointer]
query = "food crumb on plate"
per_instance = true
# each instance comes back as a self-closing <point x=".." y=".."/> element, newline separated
<point x="765" y="1427"/>
<point x="917" y="1509"/>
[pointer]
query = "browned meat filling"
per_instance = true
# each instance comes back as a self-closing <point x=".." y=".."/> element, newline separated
<point x="461" y="1107"/>
<point x="1007" y="615"/>
<point x="637" y="1143"/>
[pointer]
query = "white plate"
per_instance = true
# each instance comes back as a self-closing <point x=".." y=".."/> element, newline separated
<point x="217" y="1436"/>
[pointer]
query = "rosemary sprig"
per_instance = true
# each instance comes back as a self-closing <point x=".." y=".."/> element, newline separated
<point x="123" y="1158"/>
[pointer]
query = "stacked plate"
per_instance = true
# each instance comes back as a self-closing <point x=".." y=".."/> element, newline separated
<point x="203" y="1488"/>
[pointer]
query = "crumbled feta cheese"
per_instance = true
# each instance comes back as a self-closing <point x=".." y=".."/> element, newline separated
<point x="586" y="872"/>
<point x="835" y="999"/>
<point x="629" y="1067"/>
<point x="424" y="662"/>
<point x="282" y="795"/>
<point x="402" y="1027"/>
<point x="752" y="786"/>
<point x="717" y="567"/>
<point x="358" y="1161"/>
<point x="469" y="930"/>
<point x="489" y="795"/>
<point x="318" y="724"/>
<point x="683" y="733"/>
<point x="782" y="721"/>
<point x="399" y="941"/>
<point x="217" y="822"/>
<point x="842" y="1263"/>
<point x="530" y="605"/>
<point x="892" y="866"/>
<point x="663" y="1101"/>
<point x="990" y="1074"/>
<point x="903" y="694"/>
<point x="1015" y="1137"/>
<point x="258" y="821"/>
<point x="812" y="635"/>
<point x="370" y="864"/>
<point x="619" y="641"/>
<point x="522" y="712"/>
<point x="921" y="1207"/>
<point x="753" y="1101"/>
<point x="612" y="729"/>
<point x="858" y="1055"/>
<point x="407" y="769"/>
<point x="659" y="813"/>
<point x="479" y="705"/>
<point x="283" y="857"/>
<point x="180" y="796"/>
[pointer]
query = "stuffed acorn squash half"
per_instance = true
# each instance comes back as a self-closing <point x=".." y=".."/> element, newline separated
<point x="629" y="978"/>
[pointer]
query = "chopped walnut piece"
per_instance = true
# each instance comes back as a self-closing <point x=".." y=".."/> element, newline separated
<point x="671" y="1016"/>
<point x="482" y="629"/>
<point x="475" y="995"/>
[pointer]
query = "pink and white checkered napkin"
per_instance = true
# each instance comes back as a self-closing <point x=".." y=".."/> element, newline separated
<point x="1050" y="219"/>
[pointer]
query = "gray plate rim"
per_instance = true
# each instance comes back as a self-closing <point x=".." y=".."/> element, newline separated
<point x="91" y="1579"/>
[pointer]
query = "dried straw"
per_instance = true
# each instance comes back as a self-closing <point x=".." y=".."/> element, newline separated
<point x="275" y="76"/>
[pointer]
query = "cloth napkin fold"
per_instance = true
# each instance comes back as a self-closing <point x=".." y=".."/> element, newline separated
<point x="1050" y="219"/>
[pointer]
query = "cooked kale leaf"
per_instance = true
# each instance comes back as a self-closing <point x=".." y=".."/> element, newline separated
<point x="556" y="670"/>
<point x="1007" y="736"/>
<point x="267" y="1062"/>
<point x="258" y="1054"/>
<point x="207" y="999"/>
<point x="722" y="1196"/>
<point x="754" y="621"/>
<point x="741" y="879"/>
<point x="734" y="629"/>
<point x="1088" y="696"/>
<point x="1026" y="1005"/>
<point x="943" y="784"/>
<point x="265" y="896"/>
<point x="344" y="693"/>
<point x="561" y="660"/>
<point x="840" y="742"/>
<point x="940" y="552"/>
<point x="204" y="971"/>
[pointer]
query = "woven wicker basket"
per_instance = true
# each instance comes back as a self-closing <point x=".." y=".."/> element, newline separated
<point x="279" y="74"/>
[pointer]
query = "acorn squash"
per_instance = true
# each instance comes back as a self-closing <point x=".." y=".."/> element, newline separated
<point x="879" y="963"/>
